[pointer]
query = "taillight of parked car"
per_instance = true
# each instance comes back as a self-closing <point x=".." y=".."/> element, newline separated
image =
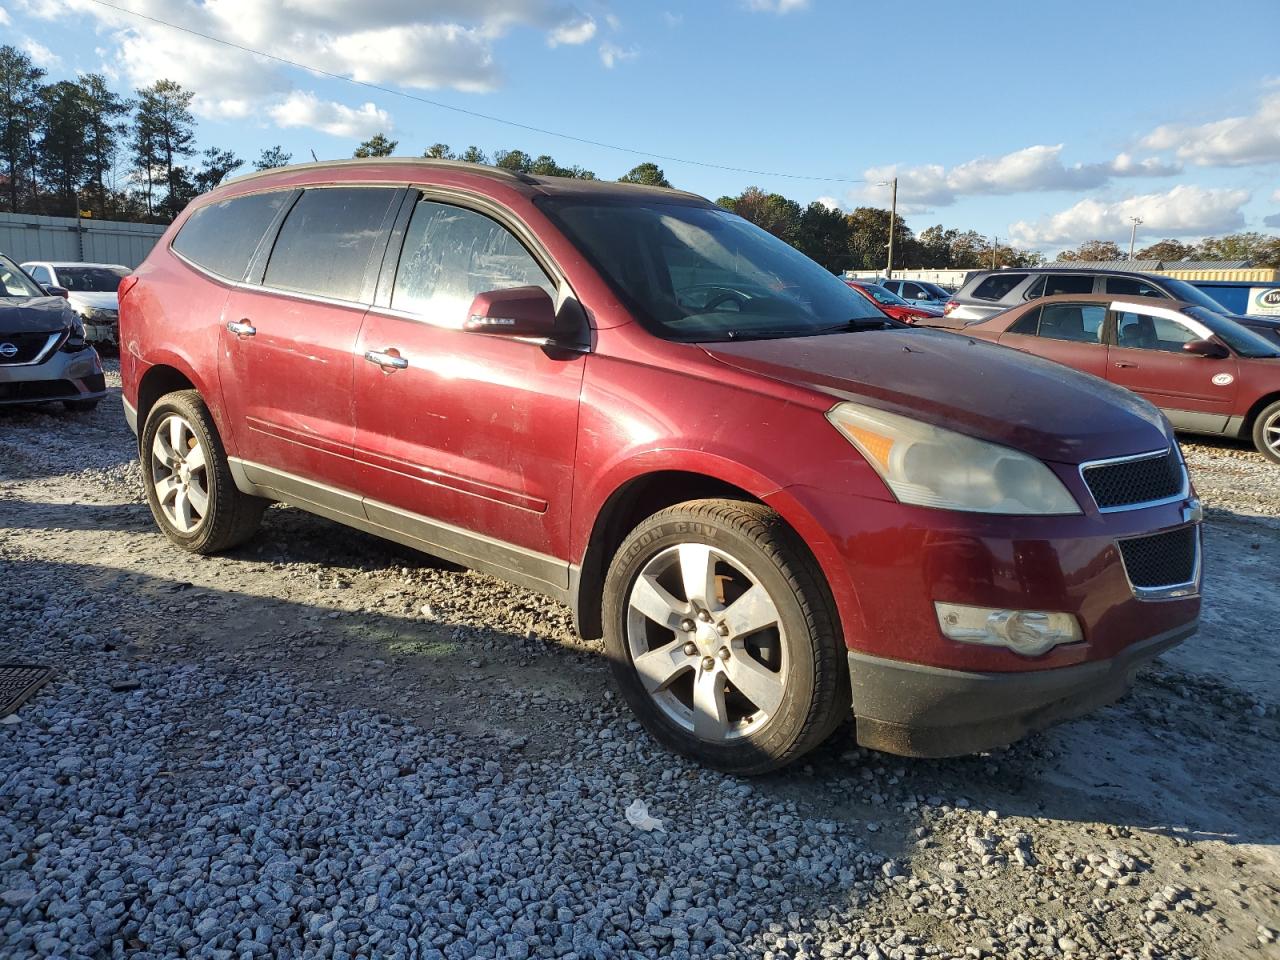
<point x="949" y="306"/>
<point x="126" y="285"/>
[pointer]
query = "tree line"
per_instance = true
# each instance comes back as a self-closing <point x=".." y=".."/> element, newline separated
<point x="1263" y="250"/>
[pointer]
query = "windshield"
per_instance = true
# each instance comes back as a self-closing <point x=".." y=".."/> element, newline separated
<point x="884" y="296"/>
<point x="1181" y="290"/>
<point x="1239" y="338"/>
<point x="91" y="279"/>
<point x="701" y="274"/>
<point x="15" y="283"/>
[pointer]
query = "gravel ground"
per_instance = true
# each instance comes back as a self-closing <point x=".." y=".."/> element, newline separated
<point x="325" y="745"/>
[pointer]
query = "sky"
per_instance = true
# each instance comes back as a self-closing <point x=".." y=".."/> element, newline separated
<point x="1042" y="123"/>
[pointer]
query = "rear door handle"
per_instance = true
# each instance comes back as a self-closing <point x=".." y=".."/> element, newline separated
<point x="242" y="328"/>
<point x="387" y="359"/>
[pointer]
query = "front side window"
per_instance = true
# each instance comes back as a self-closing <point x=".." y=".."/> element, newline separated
<point x="221" y="237"/>
<point x="912" y="292"/>
<point x="1073" y="322"/>
<point x="15" y="283"/>
<point x="998" y="286"/>
<point x="327" y="240"/>
<point x="700" y="274"/>
<point x="91" y="279"/>
<point x="452" y="254"/>
<point x="1144" y="332"/>
<point x="41" y="275"/>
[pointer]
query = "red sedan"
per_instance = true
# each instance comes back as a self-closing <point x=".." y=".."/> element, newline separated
<point x="892" y="304"/>
<point x="1208" y="374"/>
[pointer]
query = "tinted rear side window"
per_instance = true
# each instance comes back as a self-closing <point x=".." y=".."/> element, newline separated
<point x="997" y="286"/>
<point x="1068" y="283"/>
<point x="221" y="237"/>
<point x="326" y="242"/>
<point x="1132" y="287"/>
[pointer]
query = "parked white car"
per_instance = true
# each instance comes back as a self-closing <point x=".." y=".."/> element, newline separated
<point x="91" y="291"/>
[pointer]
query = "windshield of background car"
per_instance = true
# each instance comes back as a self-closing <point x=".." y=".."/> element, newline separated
<point x="1181" y="290"/>
<point x="1239" y="338"/>
<point x="699" y="274"/>
<point x="15" y="283"/>
<point x="91" y="279"/>
<point x="885" y="296"/>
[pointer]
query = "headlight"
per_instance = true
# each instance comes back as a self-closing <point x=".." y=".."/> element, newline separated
<point x="932" y="467"/>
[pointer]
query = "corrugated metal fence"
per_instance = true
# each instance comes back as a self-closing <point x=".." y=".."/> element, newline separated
<point x="26" y="237"/>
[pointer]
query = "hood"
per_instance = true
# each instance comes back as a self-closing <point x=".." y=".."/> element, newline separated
<point x="977" y="388"/>
<point x="103" y="300"/>
<point x="37" y="315"/>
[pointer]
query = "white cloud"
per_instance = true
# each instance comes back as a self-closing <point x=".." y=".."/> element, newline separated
<point x="776" y="6"/>
<point x="573" y="34"/>
<point x="301" y="109"/>
<point x="831" y="203"/>
<point x="40" y="55"/>
<point x="1276" y="196"/>
<point x="4" y="17"/>
<point x="428" y="44"/>
<point x="1232" y="142"/>
<point x="1034" y="168"/>
<point x="611" y="54"/>
<point x="1183" y="211"/>
<point x="672" y="19"/>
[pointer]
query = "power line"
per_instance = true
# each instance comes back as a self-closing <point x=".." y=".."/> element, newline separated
<point x="463" y="110"/>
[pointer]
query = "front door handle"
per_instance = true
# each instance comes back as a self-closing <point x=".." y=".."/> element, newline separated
<point x="1121" y="363"/>
<point x="242" y="328"/>
<point x="388" y="359"/>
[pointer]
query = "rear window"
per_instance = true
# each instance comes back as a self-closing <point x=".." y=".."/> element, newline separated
<point x="221" y="237"/>
<point x="326" y="242"/>
<point x="997" y="286"/>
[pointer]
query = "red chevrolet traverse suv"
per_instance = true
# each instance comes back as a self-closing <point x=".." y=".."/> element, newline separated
<point x="773" y="502"/>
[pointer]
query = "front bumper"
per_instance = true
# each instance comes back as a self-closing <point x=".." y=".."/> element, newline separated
<point x="921" y="711"/>
<point x="63" y="376"/>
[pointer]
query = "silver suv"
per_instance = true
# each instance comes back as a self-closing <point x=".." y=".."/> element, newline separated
<point x="990" y="291"/>
<point x="43" y="353"/>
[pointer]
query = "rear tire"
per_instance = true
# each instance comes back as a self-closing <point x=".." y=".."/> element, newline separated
<point x="1266" y="432"/>
<point x="745" y="675"/>
<point x="190" y="490"/>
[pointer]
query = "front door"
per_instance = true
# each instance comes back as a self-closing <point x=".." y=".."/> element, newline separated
<point x="466" y="440"/>
<point x="1069" y="333"/>
<point x="288" y="343"/>
<point x="1197" y="393"/>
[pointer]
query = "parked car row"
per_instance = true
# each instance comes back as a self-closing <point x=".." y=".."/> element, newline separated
<point x="90" y="289"/>
<point x="775" y="503"/>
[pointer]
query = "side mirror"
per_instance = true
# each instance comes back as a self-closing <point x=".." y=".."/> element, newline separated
<point x="1209" y="349"/>
<point x="54" y="291"/>
<point x="513" y="312"/>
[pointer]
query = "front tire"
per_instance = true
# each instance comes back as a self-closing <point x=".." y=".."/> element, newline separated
<point x="189" y="485"/>
<point x="1266" y="432"/>
<point x="723" y="638"/>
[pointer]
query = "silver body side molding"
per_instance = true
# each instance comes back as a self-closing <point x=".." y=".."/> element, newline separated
<point x="528" y="568"/>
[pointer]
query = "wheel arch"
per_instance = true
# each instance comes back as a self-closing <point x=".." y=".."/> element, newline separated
<point x="644" y="494"/>
<point x="1250" y="418"/>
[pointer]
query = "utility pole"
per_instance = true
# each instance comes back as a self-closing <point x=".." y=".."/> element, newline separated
<point x="995" y="245"/>
<point x="893" y="221"/>
<point x="1133" y="234"/>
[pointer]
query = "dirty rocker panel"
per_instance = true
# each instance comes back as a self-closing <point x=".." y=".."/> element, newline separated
<point x="537" y="571"/>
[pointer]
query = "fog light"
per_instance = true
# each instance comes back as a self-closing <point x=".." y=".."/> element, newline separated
<point x="1028" y="632"/>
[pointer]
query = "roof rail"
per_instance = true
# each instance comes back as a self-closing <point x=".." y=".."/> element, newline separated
<point x="480" y="168"/>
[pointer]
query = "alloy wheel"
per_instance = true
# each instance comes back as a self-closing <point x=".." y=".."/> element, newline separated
<point x="707" y="642"/>
<point x="1271" y="435"/>
<point x="180" y="474"/>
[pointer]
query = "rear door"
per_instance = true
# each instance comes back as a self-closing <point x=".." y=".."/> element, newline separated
<point x="1069" y="333"/>
<point x="466" y="440"/>
<point x="290" y="333"/>
<point x="1146" y="356"/>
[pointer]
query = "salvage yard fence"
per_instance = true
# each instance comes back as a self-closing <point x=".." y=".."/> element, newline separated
<point x="25" y="237"/>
